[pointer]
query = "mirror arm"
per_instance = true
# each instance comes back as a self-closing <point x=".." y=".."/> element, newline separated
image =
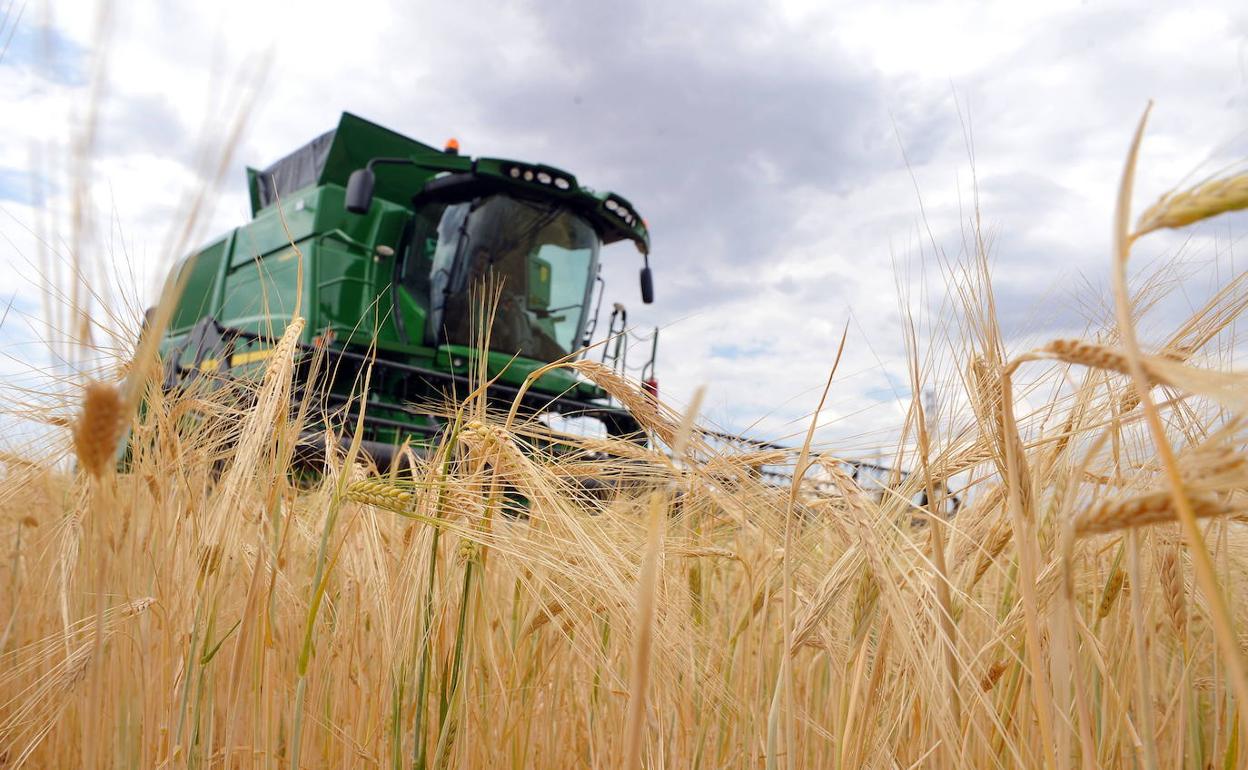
<point x="392" y="161"/>
<point x="360" y="185"/>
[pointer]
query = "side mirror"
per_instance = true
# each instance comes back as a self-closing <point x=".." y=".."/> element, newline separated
<point x="647" y="285"/>
<point x="360" y="190"/>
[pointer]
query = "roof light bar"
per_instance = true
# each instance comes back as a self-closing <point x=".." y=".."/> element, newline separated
<point x="539" y="175"/>
<point x="622" y="211"/>
<point x="548" y="177"/>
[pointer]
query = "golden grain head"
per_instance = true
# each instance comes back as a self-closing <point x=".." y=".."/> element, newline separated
<point x="1113" y="588"/>
<point x="998" y="537"/>
<point x="1088" y="354"/>
<point x="99" y="427"/>
<point x="638" y="401"/>
<point x="1143" y="510"/>
<point x="1205" y="200"/>
<point x="992" y="675"/>
<point x="865" y="597"/>
<point x="1173" y="590"/>
<point x="467" y="551"/>
<point x="380" y="495"/>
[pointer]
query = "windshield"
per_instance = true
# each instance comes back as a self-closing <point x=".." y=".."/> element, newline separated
<point x="541" y="259"/>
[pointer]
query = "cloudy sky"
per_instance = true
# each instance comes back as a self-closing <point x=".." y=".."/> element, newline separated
<point x="798" y="162"/>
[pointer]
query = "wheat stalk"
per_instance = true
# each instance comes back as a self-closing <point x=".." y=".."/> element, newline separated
<point x="1183" y="504"/>
<point x="647" y="584"/>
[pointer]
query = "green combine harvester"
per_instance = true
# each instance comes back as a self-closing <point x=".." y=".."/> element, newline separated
<point x="397" y="239"/>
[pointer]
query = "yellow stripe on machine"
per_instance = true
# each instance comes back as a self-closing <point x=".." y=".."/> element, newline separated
<point x="209" y="365"/>
<point x="250" y="357"/>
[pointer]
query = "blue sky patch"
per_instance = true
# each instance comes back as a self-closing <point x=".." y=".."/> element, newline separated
<point x="892" y="391"/>
<point x="732" y="352"/>
<point x="15" y="186"/>
<point x="47" y="51"/>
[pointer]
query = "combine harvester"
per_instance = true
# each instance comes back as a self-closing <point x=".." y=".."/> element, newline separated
<point x="397" y="238"/>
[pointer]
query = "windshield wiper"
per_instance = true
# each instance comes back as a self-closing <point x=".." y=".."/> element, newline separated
<point x="546" y="313"/>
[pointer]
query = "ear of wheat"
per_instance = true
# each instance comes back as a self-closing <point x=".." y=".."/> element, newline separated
<point x="380" y="495"/>
<point x="1097" y="356"/>
<point x="641" y="404"/>
<point x="1113" y="588"/>
<point x="1087" y="354"/>
<point x="998" y="537"/>
<point x="1141" y="511"/>
<point x="993" y="674"/>
<point x="1173" y="590"/>
<point x="98" y="427"/>
<point x="865" y="599"/>
<point x="1205" y="200"/>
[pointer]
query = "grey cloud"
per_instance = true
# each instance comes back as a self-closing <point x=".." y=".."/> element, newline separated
<point x="144" y="123"/>
<point x="701" y="289"/>
<point x="703" y="135"/>
<point x="707" y="116"/>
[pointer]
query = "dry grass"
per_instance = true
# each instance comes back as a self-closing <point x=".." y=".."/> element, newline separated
<point x="205" y="606"/>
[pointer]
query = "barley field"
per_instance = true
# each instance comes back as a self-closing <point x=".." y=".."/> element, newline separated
<point x="202" y="602"/>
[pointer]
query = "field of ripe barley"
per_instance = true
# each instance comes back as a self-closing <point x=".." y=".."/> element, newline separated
<point x="203" y="602"/>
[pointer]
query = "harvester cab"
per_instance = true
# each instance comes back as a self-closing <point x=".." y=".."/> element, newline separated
<point x="401" y="246"/>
